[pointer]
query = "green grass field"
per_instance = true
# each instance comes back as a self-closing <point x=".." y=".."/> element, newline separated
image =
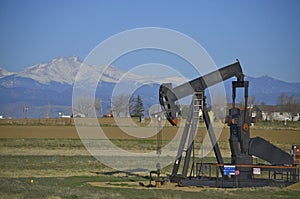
<point x="50" y="167"/>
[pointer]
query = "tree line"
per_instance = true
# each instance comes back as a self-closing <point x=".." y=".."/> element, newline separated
<point x="125" y="105"/>
<point x="120" y="106"/>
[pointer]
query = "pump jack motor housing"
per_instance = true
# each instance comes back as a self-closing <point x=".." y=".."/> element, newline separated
<point x="242" y="146"/>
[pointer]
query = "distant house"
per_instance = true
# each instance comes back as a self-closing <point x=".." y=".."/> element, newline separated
<point x="66" y="116"/>
<point x="276" y="113"/>
<point x="79" y="115"/>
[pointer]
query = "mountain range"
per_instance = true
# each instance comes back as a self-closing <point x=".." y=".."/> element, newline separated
<point x="46" y="89"/>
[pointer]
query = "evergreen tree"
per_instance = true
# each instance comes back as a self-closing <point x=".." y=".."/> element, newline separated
<point x="138" y="107"/>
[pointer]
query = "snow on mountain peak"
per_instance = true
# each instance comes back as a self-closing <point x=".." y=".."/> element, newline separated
<point x="61" y="70"/>
<point x="64" y="70"/>
<point x="4" y="73"/>
<point x="66" y="59"/>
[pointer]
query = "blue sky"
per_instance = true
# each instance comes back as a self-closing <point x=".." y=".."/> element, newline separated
<point x="263" y="34"/>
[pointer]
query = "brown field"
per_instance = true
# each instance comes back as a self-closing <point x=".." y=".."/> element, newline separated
<point x="38" y="132"/>
<point x="281" y="136"/>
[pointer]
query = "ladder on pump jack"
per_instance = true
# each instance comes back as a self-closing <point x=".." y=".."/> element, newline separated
<point x="198" y="103"/>
<point x="189" y="132"/>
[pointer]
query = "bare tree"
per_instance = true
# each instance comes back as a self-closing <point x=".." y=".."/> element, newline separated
<point x="86" y="105"/>
<point x="98" y="106"/>
<point x="121" y="105"/>
<point x="290" y="104"/>
<point x="219" y="107"/>
<point x="282" y="99"/>
<point x="251" y="100"/>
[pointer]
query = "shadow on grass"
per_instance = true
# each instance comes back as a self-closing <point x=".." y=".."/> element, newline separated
<point x="130" y="173"/>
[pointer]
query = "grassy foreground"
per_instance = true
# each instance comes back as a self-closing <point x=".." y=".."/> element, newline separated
<point x="62" y="168"/>
<point x="78" y="187"/>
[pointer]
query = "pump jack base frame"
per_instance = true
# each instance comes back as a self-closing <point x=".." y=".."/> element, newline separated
<point x="280" y="176"/>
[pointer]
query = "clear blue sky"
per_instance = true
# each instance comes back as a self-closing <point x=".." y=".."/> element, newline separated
<point x="263" y="34"/>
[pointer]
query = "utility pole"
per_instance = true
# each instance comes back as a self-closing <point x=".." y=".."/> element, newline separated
<point x="48" y="111"/>
<point x="25" y="109"/>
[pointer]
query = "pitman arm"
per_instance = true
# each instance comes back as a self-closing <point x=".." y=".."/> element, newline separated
<point x="168" y="95"/>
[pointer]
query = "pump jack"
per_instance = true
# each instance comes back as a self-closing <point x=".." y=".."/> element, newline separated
<point x="243" y="148"/>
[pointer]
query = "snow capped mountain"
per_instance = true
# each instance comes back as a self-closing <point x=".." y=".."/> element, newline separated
<point x="61" y="70"/>
<point x="4" y="73"/>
